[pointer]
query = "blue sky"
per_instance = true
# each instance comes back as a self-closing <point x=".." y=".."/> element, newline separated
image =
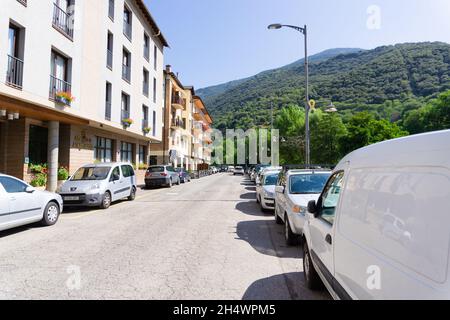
<point x="215" y="41"/>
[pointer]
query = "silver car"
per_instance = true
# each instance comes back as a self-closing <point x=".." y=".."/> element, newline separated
<point x="157" y="176"/>
<point x="99" y="185"/>
<point x="295" y="188"/>
<point x="21" y="204"/>
<point x="265" y="189"/>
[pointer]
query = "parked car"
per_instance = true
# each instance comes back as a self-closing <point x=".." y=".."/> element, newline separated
<point x="157" y="176"/>
<point x="185" y="176"/>
<point x="265" y="190"/>
<point x="230" y="168"/>
<point x="214" y="170"/>
<point x="295" y="188"/>
<point x="238" y="171"/>
<point x="21" y="204"/>
<point x="256" y="171"/>
<point x="381" y="227"/>
<point x="263" y="170"/>
<point x="99" y="185"/>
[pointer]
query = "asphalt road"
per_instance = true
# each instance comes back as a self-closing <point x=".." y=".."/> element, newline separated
<point x="204" y="240"/>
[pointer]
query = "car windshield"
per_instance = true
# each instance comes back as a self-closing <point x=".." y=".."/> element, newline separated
<point x="156" y="169"/>
<point x="271" y="180"/>
<point x="308" y="183"/>
<point x="239" y="168"/>
<point x="91" y="173"/>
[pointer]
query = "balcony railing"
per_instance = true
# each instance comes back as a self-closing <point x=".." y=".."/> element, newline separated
<point x="109" y="59"/>
<point x="127" y="30"/>
<point x="58" y="85"/>
<point x="125" y="115"/>
<point x="178" y="123"/>
<point x="63" y="21"/>
<point x="14" y="73"/>
<point x="144" y="124"/>
<point x="178" y="101"/>
<point x="126" y="72"/>
<point x="108" y="111"/>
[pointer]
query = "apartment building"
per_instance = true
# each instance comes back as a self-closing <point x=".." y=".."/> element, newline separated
<point x="80" y="82"/>
<point x="182" y="144"/>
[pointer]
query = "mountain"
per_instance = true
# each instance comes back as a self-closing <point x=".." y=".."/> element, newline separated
<point x="213" y="91"/>
<point x="385" y="81"/>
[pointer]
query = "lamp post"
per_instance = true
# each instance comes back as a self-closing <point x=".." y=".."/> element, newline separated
<point x="304" y="31"/>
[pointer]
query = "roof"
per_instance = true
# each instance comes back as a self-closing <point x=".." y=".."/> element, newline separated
<point x="204" y="108"/>
<point x="105" y="164"/>
<point x="152" y="22"/>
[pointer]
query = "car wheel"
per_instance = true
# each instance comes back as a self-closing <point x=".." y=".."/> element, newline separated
<point x="170" y="183"/>
<point x="291" y="238"/>
<point x="132" y="196"/>
<point x="312" y="279"/>
<point x="51" y="214"/>
<point x="106" y="202"/>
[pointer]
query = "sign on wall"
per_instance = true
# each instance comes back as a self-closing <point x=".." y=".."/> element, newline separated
<point x="82" y="141"/>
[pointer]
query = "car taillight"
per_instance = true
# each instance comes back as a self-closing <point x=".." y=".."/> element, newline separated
<point x="148" y="174"/>
<point x="164" y="174"/>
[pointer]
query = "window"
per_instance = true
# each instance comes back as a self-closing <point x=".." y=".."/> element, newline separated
<point x="154" y="123"/>
<point x="110" y="50"/>
<point x="108" y="100"/>
<point x="142" y="155"/>
<point x="126" y="152"/>
<point x="155" y="57"/>
<point x="60" y="74"/>
<point x="125" y="106"/>
<point x="111" y="9"/>
<point x="144" y="117"/>
<point x="146" y="84"/>
<point x="126" y="65"/>
<point x="127" y="23"/>
<point x="115" y="173"/>
<point x="14" y="73"/>
<point x="127" y="171"/>
<point x="330" y="197"/>
<point x="63" y="19"/>
<point x="103" y="149"/>
<point x="146" y="47"/>
<point x="154" y="90"/>
<point x="13" y="185"/>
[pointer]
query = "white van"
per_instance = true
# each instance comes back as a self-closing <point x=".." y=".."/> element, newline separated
<point x="381" y="227"/>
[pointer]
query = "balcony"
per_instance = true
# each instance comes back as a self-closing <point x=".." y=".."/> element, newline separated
<point x="178" y="103"/>
<point x="145" y="126"/>
<point x="58" y="85"/>
<point x="109" y="59"/>
<point x="126" y="72"/>
<point x="14" y="73"/>
<point x="198" y="116"/>
<point x="178" y="124"/>
<point x="63" y="22"/>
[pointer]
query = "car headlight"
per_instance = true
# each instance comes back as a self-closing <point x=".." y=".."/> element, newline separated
<point x="299" y="209"/>
<point x="95" y="186"/>
<point x="268" y="194"/>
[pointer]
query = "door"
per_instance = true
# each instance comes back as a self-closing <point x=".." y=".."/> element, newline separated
<point x="4" y="207"/>
<point x="128" y="176"/>
<point x="23" y="206"/>
<point x="116" y="184"/>
<point x="322" y="228"/>
<point x="280" y="197"/>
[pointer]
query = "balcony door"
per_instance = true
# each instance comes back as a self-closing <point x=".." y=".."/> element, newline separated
<point x="59" y="67"/>
<point x="63" y="4"/>
<point x="13" y="40"/>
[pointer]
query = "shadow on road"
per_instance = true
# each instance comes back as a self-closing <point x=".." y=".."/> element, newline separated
<point x="288" y="286"/>
<point x="250" y="189"/>
<point x="265" y="238"/>
<point x="249" y="196"/>
<point x="251" y="208"/>
<point x="10" y="232"/>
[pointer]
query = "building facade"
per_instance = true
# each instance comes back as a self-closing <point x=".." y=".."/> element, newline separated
<point x="182" y="141"/>
<point x="80" y="82"/>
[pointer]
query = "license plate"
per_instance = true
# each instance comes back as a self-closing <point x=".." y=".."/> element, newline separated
<point x="71" y="198"/>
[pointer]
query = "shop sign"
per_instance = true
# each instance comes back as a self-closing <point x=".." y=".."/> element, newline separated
<point x="82" y="141"/>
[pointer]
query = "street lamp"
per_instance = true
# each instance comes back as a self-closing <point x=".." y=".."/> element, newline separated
<point x="331" y="109"/>
<point x="304" y="31"/>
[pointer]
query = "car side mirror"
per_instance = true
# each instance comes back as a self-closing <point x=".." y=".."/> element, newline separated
<point x="279" y="189"/>
<point x="30" y="190"/>
<point x="312" y="207"/>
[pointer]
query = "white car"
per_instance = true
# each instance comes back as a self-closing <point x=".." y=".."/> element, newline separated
<point x="21" y="204"/>
<point x="293" y="193"/>
<point x="239" y="171"/>
<point x="381" y="227"/>
<point x="99" y="185"/>
<point x="263" y="170"/>
<point x="265" y="190"/>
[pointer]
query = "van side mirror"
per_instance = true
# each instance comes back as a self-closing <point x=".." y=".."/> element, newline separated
<point x="279" y="189"/>
<point x="116" y="177"/>
<point x="312" y="207"/>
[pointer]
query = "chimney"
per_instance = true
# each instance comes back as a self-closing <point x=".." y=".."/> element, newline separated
<point x="168" y="68"/>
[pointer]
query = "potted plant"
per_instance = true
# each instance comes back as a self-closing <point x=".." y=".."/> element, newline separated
<point x="64" y="98"/>
<point x="127" y="122"/>
<point x="39" y="181"/>
<point x="147" y="130"/>
<point x="63" y="175"/>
